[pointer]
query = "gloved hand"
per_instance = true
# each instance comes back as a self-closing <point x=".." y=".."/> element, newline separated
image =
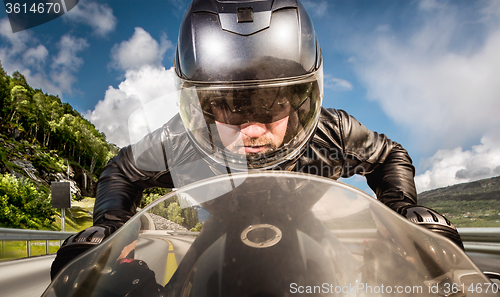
<point x="131" y="278"/>
<point x="433" y="221"/>
<point x="76" y="244"/>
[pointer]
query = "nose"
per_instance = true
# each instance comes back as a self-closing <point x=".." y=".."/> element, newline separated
<point x="253" y="130"/>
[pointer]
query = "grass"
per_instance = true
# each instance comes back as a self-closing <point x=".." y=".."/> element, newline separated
<point x="477" y="222"/>
<point x="477" y="213"/>
<point x="11" y="250"/>
<point x="77" y="218"/>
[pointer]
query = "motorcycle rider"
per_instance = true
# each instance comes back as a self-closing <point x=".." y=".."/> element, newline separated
<point x="251" y="84"/>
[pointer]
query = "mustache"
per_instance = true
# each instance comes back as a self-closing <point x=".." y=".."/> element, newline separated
<point x="260" y="141"/>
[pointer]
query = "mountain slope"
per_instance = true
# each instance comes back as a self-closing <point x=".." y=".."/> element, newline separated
<point x="485" y="189"/>
<point x="473" y="204"/>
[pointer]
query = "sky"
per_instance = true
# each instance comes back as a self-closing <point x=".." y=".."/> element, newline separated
<point x="425" y="72"/>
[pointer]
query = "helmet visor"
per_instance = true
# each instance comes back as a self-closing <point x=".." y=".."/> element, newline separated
<point x="261" y="105"/>
<point x="252" y="124"/>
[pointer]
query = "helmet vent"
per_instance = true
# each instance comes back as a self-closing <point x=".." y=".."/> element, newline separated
<point x="245" y="15"/>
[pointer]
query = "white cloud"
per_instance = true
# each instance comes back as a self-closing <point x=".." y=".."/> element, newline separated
<point x="141" y="86"/>
<point x="18" y="40"/>
<point x="452" y="97"/>
<point x="147" y="88"/>
<point x="442" y="93"/>
<point x="66" y="63"/>
<point x="141" y="49"/>
<point x="453" y="166"/>
<point x="337" y="84"/>
<point x="439" y="81"/>
<point x="98" y="16"/>
<point x="36" y="56"/>
<point x="69" y="47"/>
<point x="24" y="53"/>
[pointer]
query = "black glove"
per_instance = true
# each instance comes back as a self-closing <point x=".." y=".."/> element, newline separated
<point x="76" y="244"/>
<point x="131" y="278"/>
<point x="433" y="221"/>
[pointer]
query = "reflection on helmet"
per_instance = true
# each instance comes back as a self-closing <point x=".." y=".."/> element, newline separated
<point x="265" y="71"/>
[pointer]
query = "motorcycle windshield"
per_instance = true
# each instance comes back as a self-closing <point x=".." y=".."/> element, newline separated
<point x="271" y="234"/>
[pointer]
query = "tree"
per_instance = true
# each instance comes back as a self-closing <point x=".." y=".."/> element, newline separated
<point x="19" y="95"/>
<point x="197" y="228"/>
<point x="53" y="110"/>
<point x="22" y="205"/>
<point x="190" y="215"/>
<point x="53" y="124"/>
<point x="19" y="80"/>
<point x="4" y="89"/>
<point x="174" y="213"/>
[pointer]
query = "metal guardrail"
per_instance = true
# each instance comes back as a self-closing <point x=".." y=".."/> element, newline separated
<point x="478" y="240"/>
<point x="480" y="234"/>
<point x="481" y="240"/>
<point x="7" y="234"/>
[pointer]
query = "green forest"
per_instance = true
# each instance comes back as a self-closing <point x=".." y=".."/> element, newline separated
<point x="42" y="119"/>
<point x="39" y="129"/>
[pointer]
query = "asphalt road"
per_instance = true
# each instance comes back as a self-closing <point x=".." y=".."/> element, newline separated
<point x="25" y="277"/>
<point x="154" y="249"/>
<point x="484" y="262"/>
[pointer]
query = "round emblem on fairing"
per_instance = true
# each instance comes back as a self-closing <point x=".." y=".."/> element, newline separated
<point x="261" y="235"/>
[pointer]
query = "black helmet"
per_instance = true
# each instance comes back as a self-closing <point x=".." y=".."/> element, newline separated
<point x="249" y="64"/>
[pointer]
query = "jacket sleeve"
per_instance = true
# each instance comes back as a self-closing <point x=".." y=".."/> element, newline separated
<point x="385" y="164"/>
<point x="135" y="168"/>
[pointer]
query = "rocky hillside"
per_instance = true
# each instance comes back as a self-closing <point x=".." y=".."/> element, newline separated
<point x="162" y="223"/>
<point x="43" y="166"/>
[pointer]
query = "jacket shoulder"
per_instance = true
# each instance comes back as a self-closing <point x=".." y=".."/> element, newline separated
<point x="328" y="131"/>
<point x="153" y="151"/>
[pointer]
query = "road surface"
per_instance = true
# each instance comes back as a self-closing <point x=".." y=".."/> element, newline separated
<point x="25" y="277"/>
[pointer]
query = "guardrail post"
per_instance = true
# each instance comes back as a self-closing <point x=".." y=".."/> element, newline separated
<point x="28" y="248"/>
<point x="23" y="235"/>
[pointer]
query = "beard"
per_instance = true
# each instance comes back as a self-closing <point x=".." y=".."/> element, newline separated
<point x="267" y="142"/>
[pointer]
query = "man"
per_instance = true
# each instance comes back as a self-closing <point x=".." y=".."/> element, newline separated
<point x="251" y="84"/>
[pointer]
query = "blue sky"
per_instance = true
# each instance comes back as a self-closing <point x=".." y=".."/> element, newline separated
<point x="426" y="73"/>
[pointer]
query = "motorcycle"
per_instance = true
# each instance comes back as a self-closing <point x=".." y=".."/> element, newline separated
<point x="273" y="233"/>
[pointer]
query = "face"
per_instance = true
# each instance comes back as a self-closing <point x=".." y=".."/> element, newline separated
<point x="253" y="138"/>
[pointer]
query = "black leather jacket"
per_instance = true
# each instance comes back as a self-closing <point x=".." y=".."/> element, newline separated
<point x="340" y="147"/>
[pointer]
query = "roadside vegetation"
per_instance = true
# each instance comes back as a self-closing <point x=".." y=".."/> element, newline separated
<point x="39" y="137"/>
<point x="44" y="120"/>
<point x="171" y="209"/>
